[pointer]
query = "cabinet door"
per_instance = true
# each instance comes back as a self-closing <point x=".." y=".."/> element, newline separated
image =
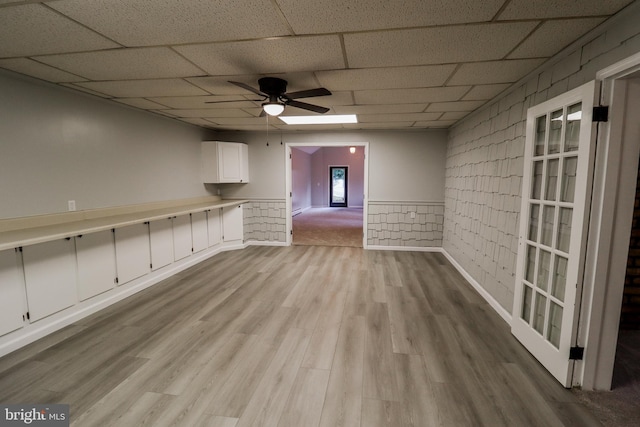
<point x="229" y="162"/>
<point x="182" y="244"/>
<point x="232" y="223"/>
<point x="50" y="277"/>
<point x="132" y="252"/>
<point x="214" y="226"/>
<point x="96" y="258"/>
<point x="199" y="231"/>
<point x="11" y="292"/>
<point x="244" y="163"/>
<point x="161" y="238"/>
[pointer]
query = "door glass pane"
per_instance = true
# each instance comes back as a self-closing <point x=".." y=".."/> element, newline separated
<point x="555" y="324"/>
<point x="552" y="179"/>
<point x="564" y="229"/>
<point x="538" y="314"/>
<point x="547" y="225"/>
<point x="338" y="186"/>
<point x="534" y="218"/>
<point x="544" y="267"/>
<point x="541" y="131"/>
<point x="572" y="132"/>
<point x="569" y="170"/>
<point x="555" y="132"/>
<point x="537" y="180"/>
<point x="526" y="304"/>
<point x="531" y="263"/>
<point x="559" y="278"/>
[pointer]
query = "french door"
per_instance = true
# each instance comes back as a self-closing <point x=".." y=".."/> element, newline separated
<point x="338" y="179"/>
<point x="558" y="164"/>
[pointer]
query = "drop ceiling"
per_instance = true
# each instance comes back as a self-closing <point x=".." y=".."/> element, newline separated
<point x="403" y="64"/>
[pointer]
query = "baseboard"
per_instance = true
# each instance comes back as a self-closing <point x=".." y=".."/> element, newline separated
<point x="263" y="243"/>
<point x="405" y="248"/>
<point x="506" y="316"/>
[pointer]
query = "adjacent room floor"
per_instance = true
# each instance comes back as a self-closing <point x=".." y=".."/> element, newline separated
<point x="328" y="227"/>
<point x="295" y="336"/>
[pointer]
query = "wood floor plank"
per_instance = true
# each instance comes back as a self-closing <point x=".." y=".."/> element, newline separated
<point x="295" y="336"/>
<point x="306" y="399"/>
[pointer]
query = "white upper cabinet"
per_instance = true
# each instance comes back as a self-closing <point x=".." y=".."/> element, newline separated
<point x="225" y="162"/>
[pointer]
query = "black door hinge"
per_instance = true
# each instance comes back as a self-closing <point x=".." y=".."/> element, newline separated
<point x="601" y="113"/>
<point x="576" y="353"/>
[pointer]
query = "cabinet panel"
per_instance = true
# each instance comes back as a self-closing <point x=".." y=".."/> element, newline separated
<point x="50" y="277"/>
<point x="182" y="244"/>
<point x="232" y="223"/>
<point x="132" y="252"/>
<point x="96" y="258"/>
<point x="199" y="231"/>
<point x="161" y="237"/>
<point x="214" y="226"/>
<point x="225" y="162"/>
<point x="11" y="292"/>
<point x="229" y="162"/>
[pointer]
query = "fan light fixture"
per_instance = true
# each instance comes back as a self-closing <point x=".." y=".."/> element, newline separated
<point x="273" y="108"/>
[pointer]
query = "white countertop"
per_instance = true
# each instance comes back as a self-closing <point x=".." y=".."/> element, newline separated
<point x="34" y="235"/>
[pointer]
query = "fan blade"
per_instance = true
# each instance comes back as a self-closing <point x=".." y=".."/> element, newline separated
<point x="234" y="100"/>
<point x="247" y="87"/>
<point x="308" y="93"/>
<point x="310" y="107"/>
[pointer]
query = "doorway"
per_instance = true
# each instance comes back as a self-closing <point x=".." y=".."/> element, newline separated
<point x="338" y="186"/>
<point x="317" y="184"/>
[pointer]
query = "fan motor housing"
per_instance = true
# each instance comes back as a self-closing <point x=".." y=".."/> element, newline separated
<point x="272" y="85"/>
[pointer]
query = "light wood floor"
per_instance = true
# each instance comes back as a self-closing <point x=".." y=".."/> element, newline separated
<point x="300" y="337"/>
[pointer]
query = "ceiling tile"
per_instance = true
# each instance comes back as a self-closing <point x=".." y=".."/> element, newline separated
<point x="75" y="86"/>
<point x="455" y="115"/>
<point x="439" y="45"/>
<point x="404" y="117"/>
<point x="410" y="96"/>
<point x="122" y="64"/>
<point x="386" y="78"/>
<point x="552" y="36"/>
<point x="32" y="29"/>
<point x="38" y="70"/>
<point x="254" y="121"/>
<point x="539" y="9"/>
<point x="485" y="92"/>
<point x="380" y="125"/>
<point x="314" y="17"/>
<point x="479" y="73"/>
<point x="144" y="88"/>
<point x="336" y="98"/>
<point x="290" y="54"/>
<point x="193" y="102"/>
<point x="160" y="22"/>
<point x="380" y="109"/>
<point x="219" y="85"/>
<point x="211" y="113"/>
<point x="256" y="128"/>
<point x="438" y="124"/>
<point x="307" y="128"/>
<point x="455" y="106"/>
<point x="197" y="121"/>
<point x="145" y="104"/>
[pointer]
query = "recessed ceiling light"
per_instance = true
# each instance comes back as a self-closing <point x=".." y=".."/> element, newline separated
<point x="315" y="120"/>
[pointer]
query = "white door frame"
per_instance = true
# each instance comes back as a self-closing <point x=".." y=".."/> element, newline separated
<point x="289" y="184"/>
<point x="610" y="226"/>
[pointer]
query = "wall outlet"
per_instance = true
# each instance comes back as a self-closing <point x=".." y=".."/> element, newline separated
<point x="72" y="205"/>
<point x="413" y="215"/>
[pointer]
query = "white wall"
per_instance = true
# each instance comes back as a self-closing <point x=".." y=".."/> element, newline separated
<point x="58" y="145"/>
<point x="403" y="166"/>
<point x="301" y="180"/>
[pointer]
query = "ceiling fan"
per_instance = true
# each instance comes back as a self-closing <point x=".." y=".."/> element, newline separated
<point x="273" y="92"/>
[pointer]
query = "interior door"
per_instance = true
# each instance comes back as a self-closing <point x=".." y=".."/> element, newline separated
<point x="558" y="165"/>
<point x="338" y="180"/>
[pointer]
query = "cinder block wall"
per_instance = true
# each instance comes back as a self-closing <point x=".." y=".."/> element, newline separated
<point x="485" y="157"/>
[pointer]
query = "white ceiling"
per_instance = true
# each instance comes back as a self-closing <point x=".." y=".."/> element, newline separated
<point x="397" y="64"/>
